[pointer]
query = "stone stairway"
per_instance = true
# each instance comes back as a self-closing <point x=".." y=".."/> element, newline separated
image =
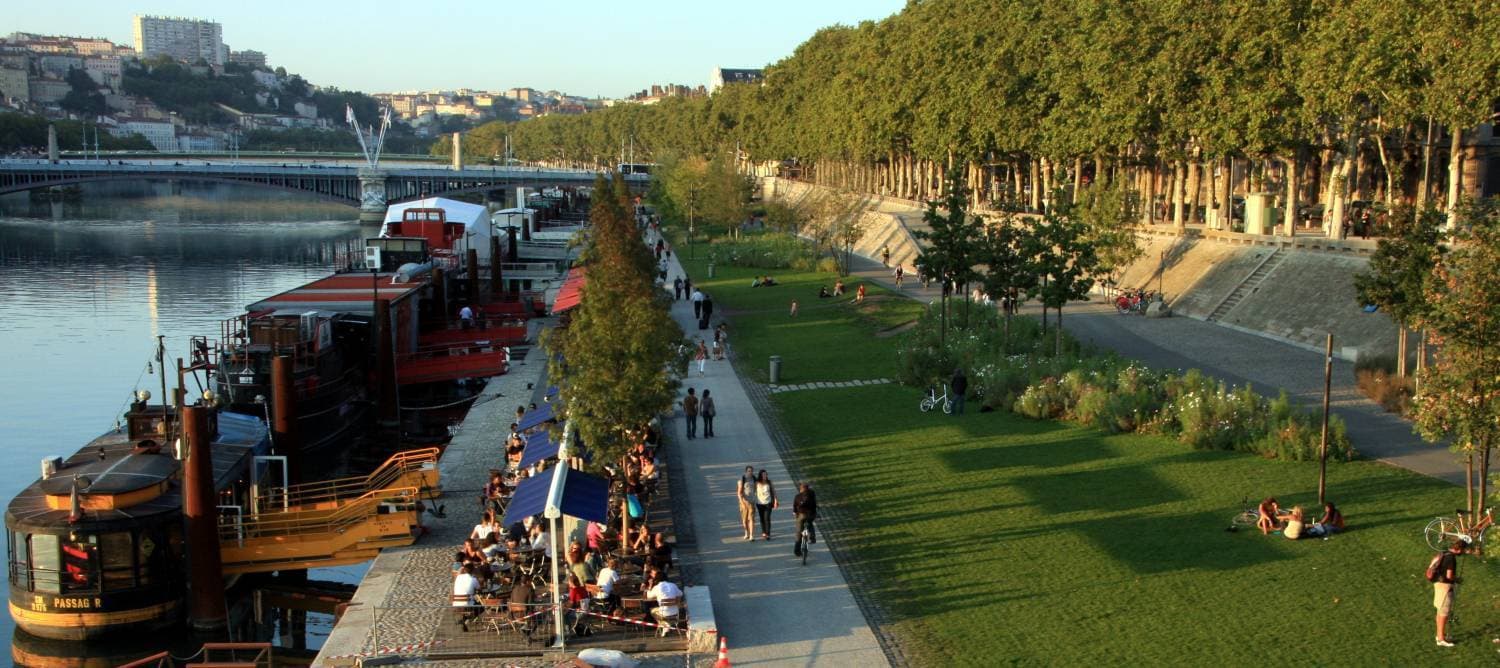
<point x="1248" y="286"/>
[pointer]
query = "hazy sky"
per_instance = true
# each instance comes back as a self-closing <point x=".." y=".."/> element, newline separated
<point x="582" y="47"/>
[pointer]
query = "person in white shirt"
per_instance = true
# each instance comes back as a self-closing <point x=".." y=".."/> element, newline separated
<point x="608" y="577"/>
<point x="465" y="587"/>
<point x="466" y="316"/>
<point x="540" y="539"/>
<point x="697" y="299"/>
<point x="667" y="596"/>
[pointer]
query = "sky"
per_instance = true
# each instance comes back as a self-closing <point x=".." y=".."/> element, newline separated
<point x="580" y="47"/>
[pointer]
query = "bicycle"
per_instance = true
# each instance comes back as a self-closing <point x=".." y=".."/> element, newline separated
<point x="1245" y="518"/>
<point x="1442" y="531"/>
<point x="804" y="541"/>
<point x="932" y="400"/>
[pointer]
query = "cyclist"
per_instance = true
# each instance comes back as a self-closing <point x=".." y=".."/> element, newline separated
<point x="805" y="507"/>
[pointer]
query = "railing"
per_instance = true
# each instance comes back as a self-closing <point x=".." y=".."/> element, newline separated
<point x="322" y="521"/>
<point x="409" y="468"/>
<point x="495" y="630"/>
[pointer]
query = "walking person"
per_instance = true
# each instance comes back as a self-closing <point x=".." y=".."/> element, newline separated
<point x="677" y="289"/>
<point x="765" y="502"/>
<point x="794" y="308"/>
<point x="805" y="508"/>
<point x="900" y="274"/>
<point x="745" y="491"/>
<point x="690" y="411"/>
<point x="721" y="342"/>
<point x="959" y="383"/>
<point x="702" y="357"/>
<point x="697" y="304"/>
<point x="708" y="307"/>
<point x="687" y="286"/>
<point x="707" y="412"/>
<point x="885" y="256"/>
<point x="859" y="294"/>
<point x="1443" y="572"/>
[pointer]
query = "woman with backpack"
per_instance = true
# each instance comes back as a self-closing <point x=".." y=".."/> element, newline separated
<point x="707" y="412"/>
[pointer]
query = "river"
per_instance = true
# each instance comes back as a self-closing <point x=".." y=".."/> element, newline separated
<point x="91" y="283"/>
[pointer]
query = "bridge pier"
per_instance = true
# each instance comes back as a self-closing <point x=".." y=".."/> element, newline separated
<point x="372" y="195"/>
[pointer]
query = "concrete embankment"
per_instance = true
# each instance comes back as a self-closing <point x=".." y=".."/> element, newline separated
<point x="420" y="577"/>
<point x="1293" y="289"/>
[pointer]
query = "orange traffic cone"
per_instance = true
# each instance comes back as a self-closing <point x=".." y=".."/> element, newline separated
<point x="723" y="661"/>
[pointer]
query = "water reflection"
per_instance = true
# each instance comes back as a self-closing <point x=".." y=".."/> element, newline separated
<point x="89" y="284"/>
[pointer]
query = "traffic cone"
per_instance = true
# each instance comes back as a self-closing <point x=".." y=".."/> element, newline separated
<point x="723" y="661"/>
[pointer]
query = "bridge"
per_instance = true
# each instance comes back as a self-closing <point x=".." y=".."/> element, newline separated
<point x="372" y="190"/>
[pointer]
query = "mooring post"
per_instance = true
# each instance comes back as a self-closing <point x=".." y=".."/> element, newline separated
<point x="206" y="609"/>
<point x="472" y="276"/>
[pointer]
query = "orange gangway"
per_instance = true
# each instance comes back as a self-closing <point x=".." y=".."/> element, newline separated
<point x="409" y="468"/>
<point x="352" y="531"/>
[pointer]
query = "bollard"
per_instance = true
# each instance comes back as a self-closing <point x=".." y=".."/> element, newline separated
<point x="775" y="369"/>
<point x="710" y="270"/>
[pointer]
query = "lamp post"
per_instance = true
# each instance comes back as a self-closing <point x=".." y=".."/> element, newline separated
<point x="692" y="199"/>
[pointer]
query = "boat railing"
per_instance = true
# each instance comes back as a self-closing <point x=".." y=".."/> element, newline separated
<point x="319" y="522"/>
<point x="403" y="468"/>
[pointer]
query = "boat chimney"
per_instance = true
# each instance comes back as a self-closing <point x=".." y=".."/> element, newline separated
<point x="385" y="365"/>
<point x="52" y="143"/>
<point x="472" y="259"/>
<point x="284" y="413"/>
<point x="206" y="609"/>
<point x="495" y="278"/>
<point x="50" y="466"/>
<point x="458" y="151"/>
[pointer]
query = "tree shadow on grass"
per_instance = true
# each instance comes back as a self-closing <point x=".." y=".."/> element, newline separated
<point x="1157" y="544"/>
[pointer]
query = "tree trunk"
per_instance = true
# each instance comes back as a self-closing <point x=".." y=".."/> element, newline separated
<point x="1046" y="185"/>
<point x="1077" y="176"/>
<point x="1035" y="200"/>
<point x="1289" y="217"/>
<point x="1469" y="478"/>
<point x="1484" y="474"/>
<point x="1099" y="176"/>
<point x="625" y="525"/>
<point x="1455" y="188"/>
<point x="1058" y="353"/>
<point x="1226" y="192"/>
<point x="1179" y="188"/>
<point x="1426" y="188"/>
<point x="1401" y="350"/>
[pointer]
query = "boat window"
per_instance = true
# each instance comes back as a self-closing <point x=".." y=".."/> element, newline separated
<point x="153" y="558"/>
<point x="79" y="564"/>
<point x="117" y="560"/>
<point x="45" y="564"/>
<point x="19" y="561"/>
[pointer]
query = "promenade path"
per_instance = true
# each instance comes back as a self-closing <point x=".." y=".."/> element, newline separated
<point x="772" y="610"/>
<point x="1238" y="357"/>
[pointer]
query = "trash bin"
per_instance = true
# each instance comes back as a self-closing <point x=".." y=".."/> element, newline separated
<point x="775" y="369"/>
<point x="710" y="270"/>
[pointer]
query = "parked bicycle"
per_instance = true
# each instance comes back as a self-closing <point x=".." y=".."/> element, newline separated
<point x="933" y="400"/>
<point x="1246" y="518"/>
<point x="1442" y="531"/>
<point x="1134" y="302"/>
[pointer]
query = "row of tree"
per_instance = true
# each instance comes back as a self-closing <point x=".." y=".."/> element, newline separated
<point x="615" y="371"/>
<point x="1445" y="286"/>
<point x="1184" y="101"/>
<point x="1053" y="259"/>
<point x="21" y="132"/>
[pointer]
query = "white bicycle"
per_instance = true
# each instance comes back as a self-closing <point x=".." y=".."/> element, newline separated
<point x="933" y="400"/>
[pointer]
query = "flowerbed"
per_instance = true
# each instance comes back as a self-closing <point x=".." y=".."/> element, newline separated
<point x="1021" y="373"/>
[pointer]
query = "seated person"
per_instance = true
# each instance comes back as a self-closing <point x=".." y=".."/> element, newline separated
<point x="755" y="283"/>
<point x="598" y="537"/>
<point x="823" y="292"/>
<point x="465" y="587"/>
<point x="767" y="282"/>
<point x="1332" y="520"/>
<point x="642" y="539"/>
<point x="667" y="597"/>
<point x="660" y="553"/>
<point x="608" y="578"/>
<point x="1269" y="515"/>
<point x="838" y="288"/>
<point x="1294" y="523"/>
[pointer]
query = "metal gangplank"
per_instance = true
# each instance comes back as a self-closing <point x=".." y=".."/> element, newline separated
<point x="330" y="522"/>
<point x="352" y="531"/>
<point x="409" y="468"/>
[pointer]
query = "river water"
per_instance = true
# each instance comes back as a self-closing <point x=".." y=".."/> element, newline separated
<point x="89" y="285"/>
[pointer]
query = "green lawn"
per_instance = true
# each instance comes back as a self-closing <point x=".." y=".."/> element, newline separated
<point x="830" y="339"/>
<point x="1001" y="540"/>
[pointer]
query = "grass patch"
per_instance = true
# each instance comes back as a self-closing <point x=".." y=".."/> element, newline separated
<point x="1003" y="540"/>
<point x="830" y="339"/>
<point x="1006" y="540"/>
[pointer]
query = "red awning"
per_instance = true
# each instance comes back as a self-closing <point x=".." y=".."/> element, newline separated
<point x="571" y="292"/>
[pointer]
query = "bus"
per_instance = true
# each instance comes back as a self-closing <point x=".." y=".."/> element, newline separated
<point x="636" y="167"/>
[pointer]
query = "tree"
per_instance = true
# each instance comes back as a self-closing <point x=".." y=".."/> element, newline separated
<point x="1009" y="274"/>
<point x="952" y="243"/>
<point x="1066" y="262"/>
<point x="616" y="373"/>
<point x="1460" y="391"/>
<point x="83" y="97"/>
<point x="1103" y="210"/>
<point x="1401" y="268"/>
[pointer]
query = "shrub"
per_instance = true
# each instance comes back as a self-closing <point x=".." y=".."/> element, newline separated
<point x="1021" y="374"/>
<point x="764" y="251"/>
<point x="1392" y="392"/>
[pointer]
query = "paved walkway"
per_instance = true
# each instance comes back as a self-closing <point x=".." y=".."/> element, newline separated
<point x="825" y="385"/>
<point x="1239" y="358"/>
<point x="772" y="610"/>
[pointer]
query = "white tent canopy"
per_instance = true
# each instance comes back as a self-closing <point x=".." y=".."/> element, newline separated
<point x="475" y="219"/>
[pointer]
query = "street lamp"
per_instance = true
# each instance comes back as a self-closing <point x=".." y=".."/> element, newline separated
<point x="692" y="199"/>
